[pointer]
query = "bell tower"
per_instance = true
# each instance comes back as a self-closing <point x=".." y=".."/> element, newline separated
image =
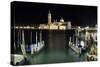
<point x="49" y="17"/>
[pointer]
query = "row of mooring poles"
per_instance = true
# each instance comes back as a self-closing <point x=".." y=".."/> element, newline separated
<point x="40" y="35"/>
<point x="74" y="39"/>
<point x="21" y="42"/>
<point x="18" y="40"/>
<point x="32" y="49"/>
<point x="32" y="46"/>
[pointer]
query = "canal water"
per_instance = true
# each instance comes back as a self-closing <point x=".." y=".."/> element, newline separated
<point x="56" y="48"/>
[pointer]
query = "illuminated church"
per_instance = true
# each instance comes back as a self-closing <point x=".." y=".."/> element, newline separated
<point x="61" y="25"/>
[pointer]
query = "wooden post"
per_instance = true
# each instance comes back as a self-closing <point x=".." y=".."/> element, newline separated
<point x="76" y="42"/>
<point x="31" y="37"/>
<point x="69" y="40"/>
<point x="18" y="43"/>
<point x="40" y="36"/>
<point x="73" y="39"/>
<point x="76" y="38"/>
<point x="36" y="41"/>
<point x="32" y="51"/>
<point x="23" y="45"/>
<point x="19" y="38"/>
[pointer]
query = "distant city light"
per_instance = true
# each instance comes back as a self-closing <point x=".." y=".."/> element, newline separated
<point x="87" y="27"/>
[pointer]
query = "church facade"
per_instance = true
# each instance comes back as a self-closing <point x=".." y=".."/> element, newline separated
<point x="61" y="25"/>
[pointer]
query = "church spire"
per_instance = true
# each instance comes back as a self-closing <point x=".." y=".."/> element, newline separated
<point x="49" y="17"/>
<point x="49" y="13"/>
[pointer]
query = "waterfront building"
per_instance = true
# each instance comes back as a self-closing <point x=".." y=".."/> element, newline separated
<point x="61" y="25"/>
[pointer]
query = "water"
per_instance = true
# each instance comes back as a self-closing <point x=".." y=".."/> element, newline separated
<point x="56" y="49"/>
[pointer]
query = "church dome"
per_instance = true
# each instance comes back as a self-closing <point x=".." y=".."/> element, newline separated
<point x="61" y="20"/>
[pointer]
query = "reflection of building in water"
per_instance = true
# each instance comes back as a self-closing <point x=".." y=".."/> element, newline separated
<point x="62" y="25"/>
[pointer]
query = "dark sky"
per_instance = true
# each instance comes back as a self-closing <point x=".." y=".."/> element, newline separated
<point x="35" y="13"/>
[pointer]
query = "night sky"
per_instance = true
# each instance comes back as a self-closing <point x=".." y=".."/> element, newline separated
<point x="36" y="13"/>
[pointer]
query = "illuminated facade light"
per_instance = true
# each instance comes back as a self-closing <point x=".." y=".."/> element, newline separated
<point x="79" y="27"/>
<point x="87" y="27"/>
<point x="59" y="23"/>
<point x="16" y="27"/>
<point x="27" y="27"/>
<point x="32" y="27"/>
<point x="62" y="27"/>
<point x="53" y="26"/>
<point x="20" y="27"/>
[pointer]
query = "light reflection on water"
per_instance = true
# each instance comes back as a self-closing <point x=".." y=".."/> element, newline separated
<point x="55" y="50"/>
